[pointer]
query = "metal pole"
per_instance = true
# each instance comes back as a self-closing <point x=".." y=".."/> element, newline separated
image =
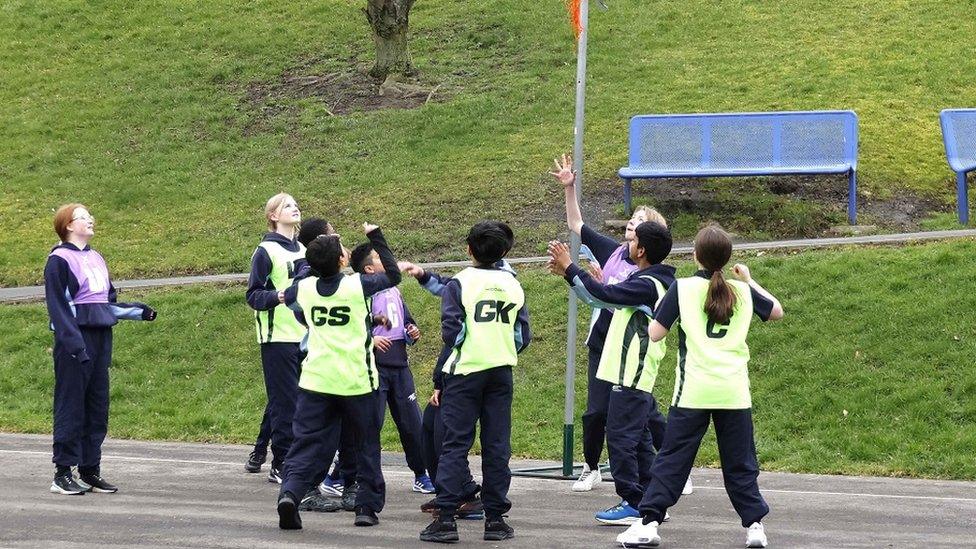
<point x="574" y="243"/>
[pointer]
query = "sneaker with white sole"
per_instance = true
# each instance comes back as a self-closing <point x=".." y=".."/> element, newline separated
<point x="688" y="489"/>
<point x="332" y="486"/>
<point x="66" y="485"/>
<point x="640" y="535"/>
<point x="756" y="535"/>
<point x="588" y="479"/>
<point x="423" y="485"/>
<point x="621" y="514"/>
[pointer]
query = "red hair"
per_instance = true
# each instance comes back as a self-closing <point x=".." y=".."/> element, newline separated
<point x="64" y="216"/>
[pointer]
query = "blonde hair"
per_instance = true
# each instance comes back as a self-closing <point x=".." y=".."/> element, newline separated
<point x="652" y="215"/>
<point x="63" y="218"/>
<point x="273" y="208"/>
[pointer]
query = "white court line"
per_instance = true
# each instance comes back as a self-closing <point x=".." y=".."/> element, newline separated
<point x="164" y="460"/>
<point x="397" y="473"/>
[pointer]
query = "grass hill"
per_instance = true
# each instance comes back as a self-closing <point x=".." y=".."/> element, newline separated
<point x="175" y="121"/>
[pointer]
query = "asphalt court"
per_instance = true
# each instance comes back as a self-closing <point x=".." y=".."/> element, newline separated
<point x="198" y="495"/>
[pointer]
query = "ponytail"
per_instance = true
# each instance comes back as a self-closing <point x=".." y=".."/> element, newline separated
<point x="720" y="301"/>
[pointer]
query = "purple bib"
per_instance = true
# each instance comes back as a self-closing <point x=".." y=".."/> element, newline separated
<point x="88" y="267"/>
<point x="389" y="303"/>
<point x="618" y="268"/>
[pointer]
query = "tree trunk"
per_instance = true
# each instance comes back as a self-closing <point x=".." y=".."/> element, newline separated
<point x="389" y="20"/>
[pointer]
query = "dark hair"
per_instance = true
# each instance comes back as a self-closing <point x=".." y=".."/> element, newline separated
<point x="655" y="239"/>
<point x="312" y="228"/>
<point x="323" y="254"/>
<point x="490" y="241"/>
<point x="713" y="249"/>
<point x="360" y="257"/>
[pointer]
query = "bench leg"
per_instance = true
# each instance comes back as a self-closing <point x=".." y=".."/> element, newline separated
<point x="962" y="198"/>
<point x="852" y="198"/>
<point x="627" y="211"/>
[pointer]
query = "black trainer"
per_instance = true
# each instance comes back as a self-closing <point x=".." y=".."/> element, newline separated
<point x="497" y="530"/>
<point x="98" y="484"/>
<point x="366" y="517"/>
<point x="288" y="517"/>
<point x="319" y="503"/>
<point x="65" y="484"/>
<point x="274" y="474"/>
<point x="349" y="497"/>
<point x="440" y="531"/>
<point x="254" y="462"/>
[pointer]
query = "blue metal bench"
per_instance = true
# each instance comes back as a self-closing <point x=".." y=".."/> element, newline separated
<point x="743" y="144"/>
<point x="959" y="136"/>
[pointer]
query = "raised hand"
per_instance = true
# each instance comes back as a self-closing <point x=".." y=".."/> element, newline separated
<point x="559" y="255"/>
<point x="741" y="272"/>
<point x="410" y="268"/>
<point x="369" y="227"/>
<point x="595" y="271"/>
<point x="564" y="171"/>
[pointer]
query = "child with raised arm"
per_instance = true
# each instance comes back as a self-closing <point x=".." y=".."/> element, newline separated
<point x="713" y="316"/>
<point x="339" y="379"/>
<point x="485" y="323"/>
<point x="629" y="361"/>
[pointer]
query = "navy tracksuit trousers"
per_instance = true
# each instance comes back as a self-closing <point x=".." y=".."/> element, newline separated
<point x="397" y="391"/>
<point x="282" y="364"/>
<point x="484" y="396"/>
<point x="264" y="434"/>
<point x="318" y="420"/>
<point x="81" y="394"/>
<point x="737" y="451"/>
<point x="635" y="430"/>
<point x="595" y="416"/>
<point x="432" y="442"/>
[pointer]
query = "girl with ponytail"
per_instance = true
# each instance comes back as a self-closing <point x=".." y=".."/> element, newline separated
<point x="712" y="315"/>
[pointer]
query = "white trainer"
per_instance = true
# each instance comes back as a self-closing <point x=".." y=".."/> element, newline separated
<point x="688" y="488"/>
<point x="587" y="479"/>
<point x="640" y="535"/>
<point x="756" y="535"/>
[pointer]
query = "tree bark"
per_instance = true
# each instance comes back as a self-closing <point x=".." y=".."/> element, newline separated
<point x="389" y="20"/>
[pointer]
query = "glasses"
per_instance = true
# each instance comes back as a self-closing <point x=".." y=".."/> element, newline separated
<point x="84" y="217"/>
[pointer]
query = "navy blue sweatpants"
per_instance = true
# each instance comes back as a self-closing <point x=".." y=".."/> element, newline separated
<point x="317" y="424"/>
<point x="398" y="392"/>
<point x="595" y="416"/>
<point x="282" y="364"/>
<point x="737" y="451"/>
<point x="635" y="430"/>
<point x="81" y="393"/>
<point x="432" y="442"/>
<point x="484" y="396"/>
<point x="264" y="434"/>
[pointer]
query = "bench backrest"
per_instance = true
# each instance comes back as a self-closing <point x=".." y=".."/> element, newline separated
<point x="959" y="136"/>
<point x="803" y="141"/>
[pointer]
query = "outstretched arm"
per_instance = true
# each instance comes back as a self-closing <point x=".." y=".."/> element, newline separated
<point x="563" y="172"/>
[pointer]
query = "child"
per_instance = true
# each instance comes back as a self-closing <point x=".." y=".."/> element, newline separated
<point x="485" y="323"/>
<point x="309" y="230"/>
<point x="82" y="306"/>
<point x="629" y="362"/>
<point x="712" y="382"/>
<point x="339" y="380"/>
<point x="432" y="438"/>
<point x="397" y="389"/>
<point x="615" y="266"/>
<point x="273" y="267"/>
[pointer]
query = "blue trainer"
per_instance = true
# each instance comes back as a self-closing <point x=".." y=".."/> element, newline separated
<point x="332" y="486"/>
<point x="620" y="514"/>
<point x="423" y="485"/>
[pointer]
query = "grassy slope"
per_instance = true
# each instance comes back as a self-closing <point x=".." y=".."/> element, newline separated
<point x="136" y="111"/>
<point x="847" y="383"/>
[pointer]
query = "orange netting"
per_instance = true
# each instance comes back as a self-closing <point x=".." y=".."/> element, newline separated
<point x="574" y="15"/>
